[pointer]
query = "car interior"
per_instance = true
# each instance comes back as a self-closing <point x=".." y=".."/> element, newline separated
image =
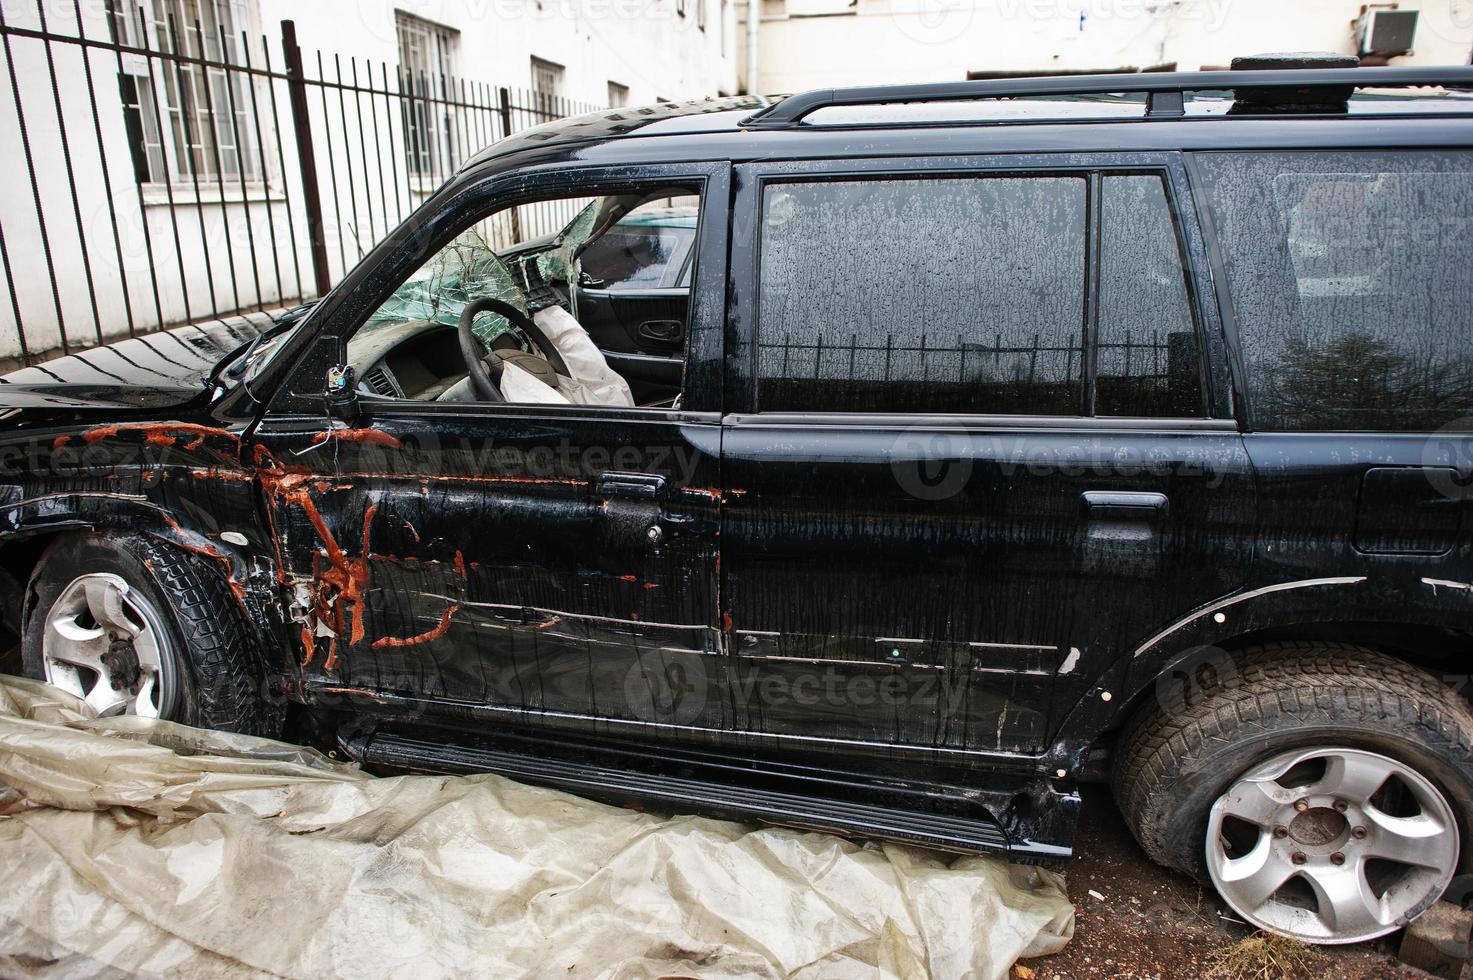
<point x="575" y="301"/>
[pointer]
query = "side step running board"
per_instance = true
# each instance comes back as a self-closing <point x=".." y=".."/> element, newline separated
<point x="881" y="814"/>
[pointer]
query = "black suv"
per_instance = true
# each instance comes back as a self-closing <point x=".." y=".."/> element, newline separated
<point x="887" y="461"/>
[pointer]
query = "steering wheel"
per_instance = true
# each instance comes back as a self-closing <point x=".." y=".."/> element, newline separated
<point x="487" y="386"/>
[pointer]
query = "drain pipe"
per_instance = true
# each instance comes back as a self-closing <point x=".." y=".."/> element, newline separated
<point x="754" y="16"/>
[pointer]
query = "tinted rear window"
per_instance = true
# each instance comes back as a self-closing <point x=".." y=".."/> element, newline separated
<point x="1352" y="278"/>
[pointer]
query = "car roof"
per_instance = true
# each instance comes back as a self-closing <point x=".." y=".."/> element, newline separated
<point x="1111" y="106"/>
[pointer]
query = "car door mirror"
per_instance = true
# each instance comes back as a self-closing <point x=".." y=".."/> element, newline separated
<point x="342" y="393"/>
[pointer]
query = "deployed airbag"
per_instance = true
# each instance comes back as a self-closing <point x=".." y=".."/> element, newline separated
<point x="130" y="846"/>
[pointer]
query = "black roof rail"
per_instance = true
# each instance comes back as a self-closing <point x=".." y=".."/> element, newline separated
<point x="1164" y="90"/>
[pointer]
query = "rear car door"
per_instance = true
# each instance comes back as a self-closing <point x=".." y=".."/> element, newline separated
<point x="547" y="564"/>
<point x="1350" y="283"/>
<point x="982" y="455"/>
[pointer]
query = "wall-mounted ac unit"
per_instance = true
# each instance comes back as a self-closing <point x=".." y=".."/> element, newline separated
<point x="1385" y="31"/>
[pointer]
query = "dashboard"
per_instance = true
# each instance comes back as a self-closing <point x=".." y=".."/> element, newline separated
<point x="418" y="360"/>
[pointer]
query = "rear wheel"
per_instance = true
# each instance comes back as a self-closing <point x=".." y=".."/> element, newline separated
<point x="1324" y="790"/>
<point x="135" y="626"/>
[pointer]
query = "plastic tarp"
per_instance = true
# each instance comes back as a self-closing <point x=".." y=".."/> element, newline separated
<point x="133" y="847"/>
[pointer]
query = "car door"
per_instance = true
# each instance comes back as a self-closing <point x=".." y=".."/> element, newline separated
<point x="553" y="564"/>
<point x="983" y="456"/>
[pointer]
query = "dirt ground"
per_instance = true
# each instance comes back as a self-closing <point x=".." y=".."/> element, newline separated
<point x="1154" y="923"/>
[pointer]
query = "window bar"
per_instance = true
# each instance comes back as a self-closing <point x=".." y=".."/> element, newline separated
<point x="286" y="195"/>
<point x="251" y="83"/>
<point x="240" y="172"/>
<point x="348" y="159"/>
<point x="389" y="97"/>
<point x="154" y="98"/>
<point x="817" y="357"/>
<point x="362" y="150"/>
<point x="199" y="205"/>
<point x="378" y="143"/>
<point x="214" y="145"/>
<point x="408" y="110"/>
<point x="153" y="271"/>
<point x="458" y="134"/>
<point x="20" y="327"/>
<point x="71" y="176"/>
<point x="332" y="168"/>
<point x="25" y="140"/>
<point x="107" y="184"/>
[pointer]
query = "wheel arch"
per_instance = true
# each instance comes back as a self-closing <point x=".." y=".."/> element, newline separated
<point x="1424" y="623"/>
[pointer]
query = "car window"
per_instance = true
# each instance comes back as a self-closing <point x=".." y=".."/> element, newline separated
<point x="646" y="249"/>
<point x="1148" y="362"/>
<point x="946" y="295"/>
<point x="1351" y="275"/>
<point x="541" y="345"/>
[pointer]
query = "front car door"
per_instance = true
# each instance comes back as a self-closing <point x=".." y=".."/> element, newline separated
<point x="547" y="564"/>
<point x="984" y="457"/>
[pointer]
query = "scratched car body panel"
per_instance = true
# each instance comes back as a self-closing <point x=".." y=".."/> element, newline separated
<point x="932" y="602"/>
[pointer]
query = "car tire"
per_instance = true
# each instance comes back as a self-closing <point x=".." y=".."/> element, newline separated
<point x="129" y="608"/>
<point x="1303" y="728"/>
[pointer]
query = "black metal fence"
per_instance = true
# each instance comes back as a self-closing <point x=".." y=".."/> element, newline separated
<point x="169" y="172"/>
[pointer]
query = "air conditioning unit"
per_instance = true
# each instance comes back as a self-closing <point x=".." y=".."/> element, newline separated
<point x="1385" y="31"/>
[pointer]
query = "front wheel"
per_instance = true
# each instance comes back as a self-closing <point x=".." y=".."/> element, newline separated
<point x="132" y="625"/>
<point x="1324" y="790"/>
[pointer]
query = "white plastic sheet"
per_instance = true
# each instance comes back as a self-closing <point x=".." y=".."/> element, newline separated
<point x="130" y="847"/>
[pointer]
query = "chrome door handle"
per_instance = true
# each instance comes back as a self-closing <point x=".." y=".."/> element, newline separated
<point x="1116" y="505"/>
<point x="629" y="486"/>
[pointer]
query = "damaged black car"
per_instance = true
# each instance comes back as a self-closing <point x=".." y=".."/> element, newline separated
<point x="884" y="461"/>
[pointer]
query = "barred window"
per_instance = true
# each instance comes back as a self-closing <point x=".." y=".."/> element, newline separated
<point x="187" y="121"/>
<point x="427" y="72"/>
<point x="948" y="295"/>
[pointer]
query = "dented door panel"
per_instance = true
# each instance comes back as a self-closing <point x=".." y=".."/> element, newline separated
<point x="486" y="557"/>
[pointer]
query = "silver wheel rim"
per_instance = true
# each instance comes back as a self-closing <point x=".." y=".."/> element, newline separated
<point x="105" y="643"/>
<point x="1331" y="845"/>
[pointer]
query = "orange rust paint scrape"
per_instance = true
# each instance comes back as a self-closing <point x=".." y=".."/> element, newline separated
<point x="154" y="433"/>
<point x="372" y="436"/>
<point x="434" y="633"/>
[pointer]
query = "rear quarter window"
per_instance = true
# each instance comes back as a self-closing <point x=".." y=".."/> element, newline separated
<point x="1351" y="276"/>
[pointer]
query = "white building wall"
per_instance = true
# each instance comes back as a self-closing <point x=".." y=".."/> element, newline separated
<point x="646" y="45"/>
<point x="870" y="42"/>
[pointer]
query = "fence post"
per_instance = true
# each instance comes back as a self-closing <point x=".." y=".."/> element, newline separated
<point x="296" y="84"/>
<point x="516" y="214"/>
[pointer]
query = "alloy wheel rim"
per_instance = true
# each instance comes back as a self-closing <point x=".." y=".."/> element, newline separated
<point x="1331" y="845"/>
<point x="104" y="643"/>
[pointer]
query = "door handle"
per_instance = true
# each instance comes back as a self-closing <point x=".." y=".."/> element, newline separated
<point x="661" y="329"/>
<point x="1123" y="506"/>
<point x="629" y="486"/>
